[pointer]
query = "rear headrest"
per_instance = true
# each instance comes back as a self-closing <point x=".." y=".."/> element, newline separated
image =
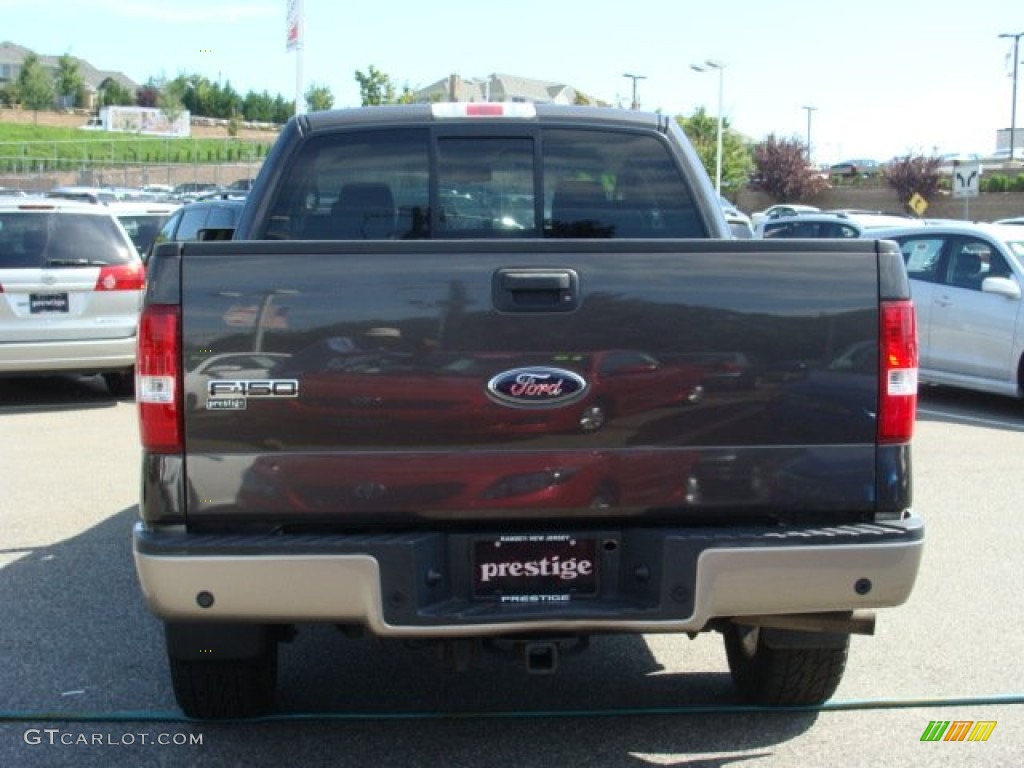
<point x="572" y="196"/>
<point x="365" y="195"/>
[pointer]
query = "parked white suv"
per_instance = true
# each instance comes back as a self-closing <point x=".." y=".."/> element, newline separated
<point x="71" y="286"/>
<point x="967" y="282"/>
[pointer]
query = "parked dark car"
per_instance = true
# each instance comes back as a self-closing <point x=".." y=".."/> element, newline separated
<point x="810" y="226"/>
<point x="185" y="223"/>
<point x="858" y="167"/>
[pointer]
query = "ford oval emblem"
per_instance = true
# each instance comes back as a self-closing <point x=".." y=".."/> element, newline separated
<point x="539" y="387"/>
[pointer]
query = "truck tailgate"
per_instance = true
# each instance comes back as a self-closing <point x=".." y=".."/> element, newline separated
<point x="408" y="382"/>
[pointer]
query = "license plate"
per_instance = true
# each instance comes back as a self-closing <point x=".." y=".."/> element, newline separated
<point x="535" y="568"/>
<point x="38" y="303"/>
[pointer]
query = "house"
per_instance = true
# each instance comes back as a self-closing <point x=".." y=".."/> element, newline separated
<point x="500" y="88"/>
<point x="12" y="55"/>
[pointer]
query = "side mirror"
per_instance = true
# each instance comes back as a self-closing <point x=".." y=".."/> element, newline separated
<point x="1001" y="286"/>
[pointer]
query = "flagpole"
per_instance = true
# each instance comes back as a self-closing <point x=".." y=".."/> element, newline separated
<point x="298" y="80"/>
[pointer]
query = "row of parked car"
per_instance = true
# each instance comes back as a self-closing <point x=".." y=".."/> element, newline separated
<point x="72" y="276"/>
<point x="966" y="279"/>
<point x="795" y="220"/>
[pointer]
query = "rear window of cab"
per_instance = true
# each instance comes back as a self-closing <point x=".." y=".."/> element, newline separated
<point x="423" y="183"/>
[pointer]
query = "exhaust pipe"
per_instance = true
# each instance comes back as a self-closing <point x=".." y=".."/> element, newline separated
<point x="847" y="623"/>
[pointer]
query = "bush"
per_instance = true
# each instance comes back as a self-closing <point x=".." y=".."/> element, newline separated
<point x="1018" y="183"/>
<point x="912" y="175"/>
<point x="995" y="183"/>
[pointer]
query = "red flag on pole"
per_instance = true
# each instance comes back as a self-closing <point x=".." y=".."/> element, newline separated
<point x="294" y="22"/>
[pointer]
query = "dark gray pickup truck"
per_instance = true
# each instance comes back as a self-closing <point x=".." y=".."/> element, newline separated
<point x="498" y="372"/>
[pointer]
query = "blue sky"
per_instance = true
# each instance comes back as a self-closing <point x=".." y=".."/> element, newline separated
<point x="884" y="78"/>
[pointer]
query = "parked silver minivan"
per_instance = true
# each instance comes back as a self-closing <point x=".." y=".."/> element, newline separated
<point x="71" y="286"/>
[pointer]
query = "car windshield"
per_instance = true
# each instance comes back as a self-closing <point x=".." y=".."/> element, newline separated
<point x="33" y="239"/>
<point x="1016" y="249"/>
<point x="142" y="228"/>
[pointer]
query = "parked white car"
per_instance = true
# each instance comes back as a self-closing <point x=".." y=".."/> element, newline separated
<point x="966" y="282"/>
<point x="71" y="285"/>
<point x="143" y="220"/>
<point x="782" y="209"/>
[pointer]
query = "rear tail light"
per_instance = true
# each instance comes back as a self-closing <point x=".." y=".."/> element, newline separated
<point x="897" y="403"/>
<point x="158" y="387"/>
<point x="122" y="277"/>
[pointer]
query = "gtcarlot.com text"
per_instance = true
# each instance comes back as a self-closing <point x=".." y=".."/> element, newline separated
<point x="58" y="737"/>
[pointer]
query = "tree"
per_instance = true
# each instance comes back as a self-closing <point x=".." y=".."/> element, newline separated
<point x="407" y="96"/>
<point x="68" y="81"/>
<point x="318" y="98"/>
<point x="910" y="175"/>
<point x="782" y="170"/>
<point x="702" y="131"/>
<point x="375" y="87"/>
<point x="283" y="109"/>
<point x="171" y="99"/>
<point x="34" y="86"/>
<point x="258" y="107"/>
<point x="195" y="94"/>
<point x="148" y="95"/>
<point x="226" y="101"/>
<point x="112" y="93"/>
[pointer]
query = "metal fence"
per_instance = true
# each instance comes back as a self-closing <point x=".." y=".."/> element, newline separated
<point x="129" y="175"/>
<point x="127" y="162"/>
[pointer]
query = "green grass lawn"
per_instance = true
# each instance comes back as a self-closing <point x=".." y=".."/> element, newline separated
<point x="46" y="148"/>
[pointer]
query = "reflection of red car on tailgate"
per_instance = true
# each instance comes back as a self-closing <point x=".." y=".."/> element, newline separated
<point x="399" y="486"/>
<point x="627" y="381"/>
<point x="447" y="392"/>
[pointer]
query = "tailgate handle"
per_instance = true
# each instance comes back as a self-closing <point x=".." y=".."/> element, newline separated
<point x="535" y="290"/>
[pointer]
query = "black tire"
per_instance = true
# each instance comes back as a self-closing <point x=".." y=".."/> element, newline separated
<point x="804" y="676"/>
<point x="120" y="383"/>
<point x="226" y="689"/>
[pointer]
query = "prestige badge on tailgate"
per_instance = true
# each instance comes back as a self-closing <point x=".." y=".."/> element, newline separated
<point x="535" y="568"/>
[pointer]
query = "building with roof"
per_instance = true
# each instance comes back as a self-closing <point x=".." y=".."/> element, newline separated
<point x="12" y="56"/>
<point x="497" y="87"/>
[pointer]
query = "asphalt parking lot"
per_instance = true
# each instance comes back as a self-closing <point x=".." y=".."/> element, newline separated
<point x="84" y="682"/>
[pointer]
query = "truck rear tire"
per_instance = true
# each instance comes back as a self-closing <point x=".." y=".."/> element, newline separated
<point x="783" y="676"/>
<point x="226" y="689"/>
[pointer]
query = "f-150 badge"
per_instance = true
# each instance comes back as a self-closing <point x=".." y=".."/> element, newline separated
<point x="540" y="387"/>
<point x="253" y="388"/>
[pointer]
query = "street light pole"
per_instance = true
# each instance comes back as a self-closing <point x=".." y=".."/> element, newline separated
<point x="809" y="111"/>
<point x="709" y="66"/>
<point x="1013" y="108"/>
<point x="634" y="78"/>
